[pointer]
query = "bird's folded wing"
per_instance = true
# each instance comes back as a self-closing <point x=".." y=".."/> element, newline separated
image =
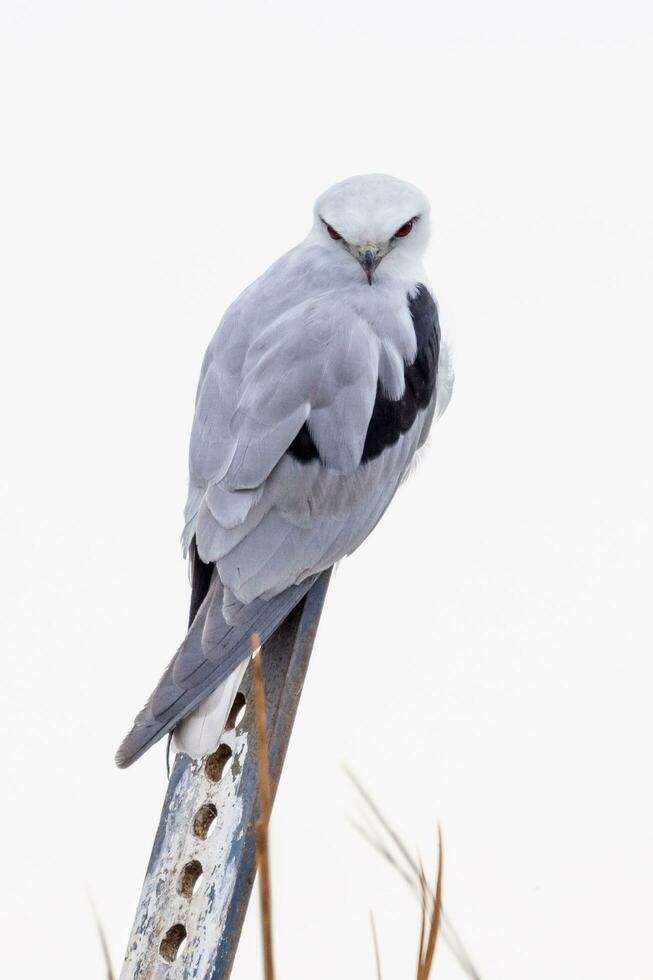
<point x="318" y="363"/>
<point x="210" y="652"/>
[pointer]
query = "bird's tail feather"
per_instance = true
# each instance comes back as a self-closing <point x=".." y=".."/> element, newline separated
<point x="199" y="733"/>
<point x="209" y="654"/>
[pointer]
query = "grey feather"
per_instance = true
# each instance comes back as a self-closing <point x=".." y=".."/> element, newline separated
<point x="209" y="653"/>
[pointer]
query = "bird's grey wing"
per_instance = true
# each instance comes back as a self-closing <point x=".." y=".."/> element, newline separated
<point x="317" y="362"/>
<point x="260" y="382"/>
<point x="284" y="507"/>
<point x="210" y="652"/>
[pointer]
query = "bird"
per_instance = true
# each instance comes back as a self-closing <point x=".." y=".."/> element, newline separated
<point x="316" y="393"/>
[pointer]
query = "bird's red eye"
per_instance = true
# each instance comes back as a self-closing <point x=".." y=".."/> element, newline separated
<point x="405" y="229"/>
<point x="334" y="234"/>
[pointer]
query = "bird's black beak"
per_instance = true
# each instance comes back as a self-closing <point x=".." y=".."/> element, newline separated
<point x="369" y="265"/>
<point x="369" y="257"/>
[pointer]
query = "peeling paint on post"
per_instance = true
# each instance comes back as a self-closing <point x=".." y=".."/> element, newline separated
<point x="203" y="864"/>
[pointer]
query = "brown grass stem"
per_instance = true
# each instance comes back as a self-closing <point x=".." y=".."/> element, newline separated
<point x="377" y="954"/>
<point x="428" y="942"/>
<point x="265" y="805"/>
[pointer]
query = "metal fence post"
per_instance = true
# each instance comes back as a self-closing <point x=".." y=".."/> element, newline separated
<point x="203" y="864"/>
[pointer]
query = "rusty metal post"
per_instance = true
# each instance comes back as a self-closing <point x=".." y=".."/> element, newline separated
<point x="203" y="864"/>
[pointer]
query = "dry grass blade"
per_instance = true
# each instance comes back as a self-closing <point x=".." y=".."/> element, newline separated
<point x="380" y="847"/>
<point x="261" y="832"/>
<point x="422" y="928"/>
<point x="103" y="941"/>
<point x="381" y="820"/>
<point x="377" y="954"/>
<point x="434" y="924"/>
<point x="404" y="863"/>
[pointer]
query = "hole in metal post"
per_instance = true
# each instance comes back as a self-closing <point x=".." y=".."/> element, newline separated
<point x="217" y="762"/>
<point x="237" y="711"/>
<point x="189" y="879"/>
<point x="204" y="820"/>
<point x="172" y="943"/>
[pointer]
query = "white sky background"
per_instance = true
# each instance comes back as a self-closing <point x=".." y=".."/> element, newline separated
<point x="484" y="660"/>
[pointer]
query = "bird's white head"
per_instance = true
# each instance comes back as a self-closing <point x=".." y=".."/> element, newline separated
<point x="373" y="216"/>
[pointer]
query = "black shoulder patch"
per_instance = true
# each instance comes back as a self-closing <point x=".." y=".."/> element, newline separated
<point x="200" y="580"/>
<point x="302" y="447"/>
<point x="425" y="318"/>
<point x="392" y="418"/>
